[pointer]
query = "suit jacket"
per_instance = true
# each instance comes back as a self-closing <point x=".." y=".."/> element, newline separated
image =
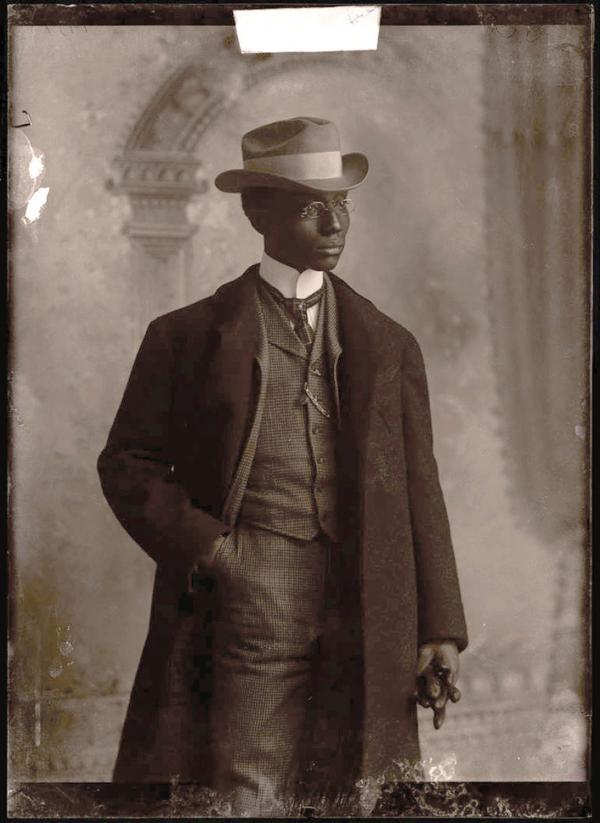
<point x="166" y="470"/>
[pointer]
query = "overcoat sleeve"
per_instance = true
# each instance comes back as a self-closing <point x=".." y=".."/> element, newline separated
<point x="441" y="615"/>
<point x="136" y="466"/>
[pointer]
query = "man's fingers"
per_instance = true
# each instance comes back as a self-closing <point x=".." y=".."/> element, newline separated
<point x="433" y="686"/>
<point x="454" y="694"/>
<point x="419" y="694"/>
<point x="425" y="657"/>
<point x="447" y="659"/>
<point x="439" y="715"/>
<point x="433" y="691"/>
<point x="440" y="703"/>
<point x="446" y="674"/>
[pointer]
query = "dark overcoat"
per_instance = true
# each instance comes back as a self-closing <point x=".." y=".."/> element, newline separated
<point x="166" y="469"/>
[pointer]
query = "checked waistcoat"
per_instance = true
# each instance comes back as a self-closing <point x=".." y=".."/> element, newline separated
<point x="292" y="486"/>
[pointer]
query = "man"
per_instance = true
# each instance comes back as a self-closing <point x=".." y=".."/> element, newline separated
<point x="273" y="455"/>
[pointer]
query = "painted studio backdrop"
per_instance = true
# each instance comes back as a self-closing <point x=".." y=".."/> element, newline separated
<point x="469" y="231"/>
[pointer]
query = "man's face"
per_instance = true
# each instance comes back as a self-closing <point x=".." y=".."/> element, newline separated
<point x="315" y="241"/>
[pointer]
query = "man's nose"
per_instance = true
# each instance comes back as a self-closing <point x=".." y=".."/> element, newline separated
<point x="330" y="222"/>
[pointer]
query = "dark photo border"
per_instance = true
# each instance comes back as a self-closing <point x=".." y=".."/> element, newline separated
<point x="523" y="800"/>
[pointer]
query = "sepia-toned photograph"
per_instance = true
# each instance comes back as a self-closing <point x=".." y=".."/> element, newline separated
<point x="299" y="411"/>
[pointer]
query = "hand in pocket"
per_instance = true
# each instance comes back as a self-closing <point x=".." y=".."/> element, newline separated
<point x="225" y="552"/>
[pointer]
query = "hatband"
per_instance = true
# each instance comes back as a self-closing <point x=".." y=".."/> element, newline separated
<point x="318" y="165"/>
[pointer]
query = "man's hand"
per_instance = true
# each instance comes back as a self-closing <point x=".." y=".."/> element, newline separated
<point x="437" y="672"/>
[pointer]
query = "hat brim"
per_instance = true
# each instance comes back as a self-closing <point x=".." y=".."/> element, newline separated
<point x="355" y="168"/>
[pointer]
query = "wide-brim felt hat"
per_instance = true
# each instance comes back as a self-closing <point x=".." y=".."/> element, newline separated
<point x="296" y="154"/>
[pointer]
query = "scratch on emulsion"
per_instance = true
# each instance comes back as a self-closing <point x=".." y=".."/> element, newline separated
<point x="39" y="197"/>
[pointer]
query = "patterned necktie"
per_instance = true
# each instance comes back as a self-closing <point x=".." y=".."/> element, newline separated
<point x="296" y="309"/>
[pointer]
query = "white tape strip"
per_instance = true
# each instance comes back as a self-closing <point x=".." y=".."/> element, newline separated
<point x="342" y="28"/>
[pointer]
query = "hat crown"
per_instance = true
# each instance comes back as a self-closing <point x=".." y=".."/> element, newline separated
<point x="302" y="153"/>
<point x="298" y="135"/>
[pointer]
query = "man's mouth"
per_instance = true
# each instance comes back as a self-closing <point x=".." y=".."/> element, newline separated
<point x="331" y="249"/>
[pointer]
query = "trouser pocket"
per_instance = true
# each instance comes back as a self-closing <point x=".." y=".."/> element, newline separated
<point x="227" y="551"/>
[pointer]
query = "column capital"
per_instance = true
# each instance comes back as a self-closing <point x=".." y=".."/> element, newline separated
<point x="160" y="184"/>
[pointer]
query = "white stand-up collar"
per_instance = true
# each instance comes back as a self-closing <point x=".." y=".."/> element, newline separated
<point x="288" y="280"/>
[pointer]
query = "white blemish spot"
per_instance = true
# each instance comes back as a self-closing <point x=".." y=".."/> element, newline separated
<point x="36" y="166"/>
<point x="580" y="432"/>
<point x="36" y="203"/>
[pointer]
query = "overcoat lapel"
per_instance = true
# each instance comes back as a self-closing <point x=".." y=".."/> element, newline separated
<point x="234" y="370"/>
<point x="356" y="373"/>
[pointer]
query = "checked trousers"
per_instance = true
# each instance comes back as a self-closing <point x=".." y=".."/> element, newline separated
<point x="275" y="598"/>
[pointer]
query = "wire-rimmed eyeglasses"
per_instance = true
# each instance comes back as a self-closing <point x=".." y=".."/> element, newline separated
<point x="343" y="205"/>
